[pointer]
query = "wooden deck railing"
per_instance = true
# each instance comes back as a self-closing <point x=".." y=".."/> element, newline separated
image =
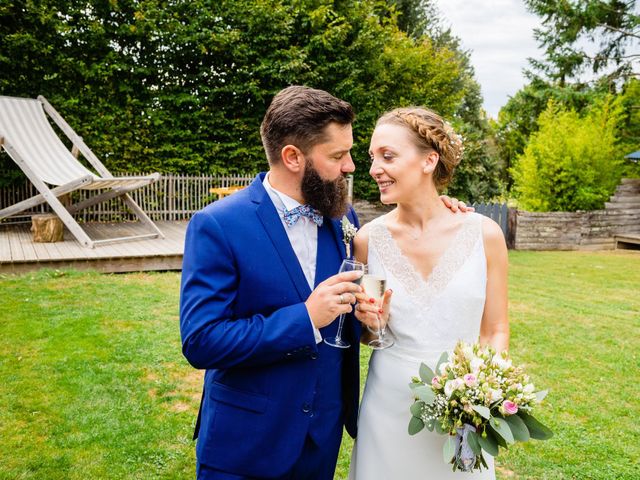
<point x="173" y="197"/>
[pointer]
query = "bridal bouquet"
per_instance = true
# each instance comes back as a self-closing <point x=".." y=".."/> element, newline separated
<point x="480" y="400"/>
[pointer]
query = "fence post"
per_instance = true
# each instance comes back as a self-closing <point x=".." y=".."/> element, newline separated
<point x="512" y="226"/>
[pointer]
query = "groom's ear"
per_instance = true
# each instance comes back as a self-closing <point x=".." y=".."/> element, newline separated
<point x="292" y="158"/>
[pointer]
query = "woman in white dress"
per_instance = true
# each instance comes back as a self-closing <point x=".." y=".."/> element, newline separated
<point x="448" y="275"/>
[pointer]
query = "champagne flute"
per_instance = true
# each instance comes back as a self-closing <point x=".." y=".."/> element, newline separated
<point x="348" y="265"/>
<point x="375" y="285"/>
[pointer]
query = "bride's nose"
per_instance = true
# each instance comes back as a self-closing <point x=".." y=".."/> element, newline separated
<point x="375" y="170"/>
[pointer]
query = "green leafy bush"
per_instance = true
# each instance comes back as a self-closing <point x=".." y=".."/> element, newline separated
<point x="573" y="161"/>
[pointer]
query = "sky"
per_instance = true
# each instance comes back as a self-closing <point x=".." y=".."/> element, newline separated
<point x="499" y="34"/>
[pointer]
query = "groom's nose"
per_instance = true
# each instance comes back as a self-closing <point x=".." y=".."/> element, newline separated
<point x="348" y="166"/>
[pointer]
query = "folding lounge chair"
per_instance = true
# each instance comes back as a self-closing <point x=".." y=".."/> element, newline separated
<point x="29" y="139"/>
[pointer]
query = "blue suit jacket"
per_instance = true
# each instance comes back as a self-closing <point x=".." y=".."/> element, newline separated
<point x="243" y="319"/>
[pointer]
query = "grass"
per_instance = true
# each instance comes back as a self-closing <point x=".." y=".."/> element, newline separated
<point x="93" y="384"/>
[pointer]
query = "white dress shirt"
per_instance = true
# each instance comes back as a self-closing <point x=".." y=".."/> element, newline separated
<point x="303" y="236"/>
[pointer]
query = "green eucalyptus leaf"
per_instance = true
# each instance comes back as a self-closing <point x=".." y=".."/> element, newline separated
<point x="416" y="408"/>
<point x="449" y="448"/>
<point x="483" y="411"/>
<point x="536" y="429"/>
<point x="518" y="428"/>
<point x="415" y="425"/>
<point x="502" y="428"/>
<point x="426" y="374"/>
<point x="425" y="394"/>
<point x="540" y="396"/>
<point x="438" y="428"/>
<point x="489" y="445"/>
<point x="443" y="359"/>
<point x="474" y="444"/>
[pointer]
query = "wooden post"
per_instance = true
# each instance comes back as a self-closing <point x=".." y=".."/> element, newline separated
<point x="47" y="228"/>
<point x="512" y="225"/>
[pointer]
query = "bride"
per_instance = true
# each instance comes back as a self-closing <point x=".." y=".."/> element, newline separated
<point x="448" y="275"/>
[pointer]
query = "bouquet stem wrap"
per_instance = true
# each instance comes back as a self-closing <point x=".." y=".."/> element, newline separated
<point x="465" y="457"/>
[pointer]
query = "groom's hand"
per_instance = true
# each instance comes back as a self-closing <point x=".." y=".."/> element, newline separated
<point x="454" y="204"/>
<point x="332" y="297"/>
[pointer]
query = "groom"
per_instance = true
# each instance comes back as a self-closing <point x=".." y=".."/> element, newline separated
<point x="259" y="293"/>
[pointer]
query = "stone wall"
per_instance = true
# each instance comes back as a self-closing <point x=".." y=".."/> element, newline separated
<point x="595" y="230"/>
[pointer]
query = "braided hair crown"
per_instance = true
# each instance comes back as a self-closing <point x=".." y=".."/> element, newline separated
<point x="431" y="133"/>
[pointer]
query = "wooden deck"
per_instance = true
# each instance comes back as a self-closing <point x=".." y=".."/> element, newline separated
<point x="18" y="252"/>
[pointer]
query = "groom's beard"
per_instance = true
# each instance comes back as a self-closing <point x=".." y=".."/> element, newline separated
<point x="328" y="196"/>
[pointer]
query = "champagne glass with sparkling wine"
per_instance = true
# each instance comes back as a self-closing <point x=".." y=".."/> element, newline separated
<point x="348" y="265"/>
<point x="375" y="285"/>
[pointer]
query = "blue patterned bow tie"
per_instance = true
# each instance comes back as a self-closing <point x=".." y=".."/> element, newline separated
<point x="292" y="216"/>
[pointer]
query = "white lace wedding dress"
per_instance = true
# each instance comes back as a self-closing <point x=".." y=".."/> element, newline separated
<point x="427" y="318"/>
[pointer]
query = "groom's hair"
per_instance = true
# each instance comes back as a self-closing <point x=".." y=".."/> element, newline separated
<point x="298" y="116"/>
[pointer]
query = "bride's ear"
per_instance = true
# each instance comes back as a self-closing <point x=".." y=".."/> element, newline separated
<point x="430" y="162"/>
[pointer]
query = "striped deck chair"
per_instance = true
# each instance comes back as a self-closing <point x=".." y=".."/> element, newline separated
<point x="29" y="139"/>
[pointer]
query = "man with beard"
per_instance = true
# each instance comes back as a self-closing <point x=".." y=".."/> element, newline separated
<point x="259" y="293"/>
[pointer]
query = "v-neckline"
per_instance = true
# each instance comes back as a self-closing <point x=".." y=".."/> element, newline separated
<point x="438" y="263"/>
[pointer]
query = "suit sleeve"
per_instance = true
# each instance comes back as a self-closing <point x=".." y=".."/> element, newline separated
<point x="211" y="336"/>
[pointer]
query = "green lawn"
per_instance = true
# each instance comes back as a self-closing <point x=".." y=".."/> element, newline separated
<point x="93" y="384"/>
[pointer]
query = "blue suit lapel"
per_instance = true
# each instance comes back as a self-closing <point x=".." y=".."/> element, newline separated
<point x="328" y="256"/>
<point x="272" y="224"/>
<point x="336" y="226"/>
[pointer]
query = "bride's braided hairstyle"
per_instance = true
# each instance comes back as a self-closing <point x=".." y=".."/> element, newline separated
<point x="431" y="133"/>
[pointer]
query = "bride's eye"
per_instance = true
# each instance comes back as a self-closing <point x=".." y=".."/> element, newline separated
<point x="387" y="156"/>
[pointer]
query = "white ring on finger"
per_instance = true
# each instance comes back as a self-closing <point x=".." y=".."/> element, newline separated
<point x="341" y="299"/>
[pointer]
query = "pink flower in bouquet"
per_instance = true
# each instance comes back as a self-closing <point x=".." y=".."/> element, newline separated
<point x="510" y="408"/>
<point x="470" y="380"/>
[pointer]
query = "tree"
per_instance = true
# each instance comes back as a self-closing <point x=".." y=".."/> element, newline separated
<point x="571" y="29"/>
<point x="477" y="178"/>
<point x="573" y="161"/>
<point x="182" y="86"/>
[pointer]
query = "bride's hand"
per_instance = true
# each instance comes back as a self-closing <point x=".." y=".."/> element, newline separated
<point x="367" y="310"/>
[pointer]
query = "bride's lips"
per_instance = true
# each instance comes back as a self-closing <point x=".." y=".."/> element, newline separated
<point x="383" y="185"/>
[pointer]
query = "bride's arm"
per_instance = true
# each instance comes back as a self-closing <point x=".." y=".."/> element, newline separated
<point x="494" y="329"/>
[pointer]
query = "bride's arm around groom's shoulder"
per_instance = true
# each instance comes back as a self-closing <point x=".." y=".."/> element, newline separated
<point x="494" y="329"/>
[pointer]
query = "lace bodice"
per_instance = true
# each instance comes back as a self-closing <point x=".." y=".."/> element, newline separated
<point x="429" y="316"/>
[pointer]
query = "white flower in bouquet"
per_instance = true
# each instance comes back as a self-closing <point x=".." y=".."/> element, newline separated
<point x="501" y="362"/>
<point x="475" y="364"/>
<point x="493" y="395"/>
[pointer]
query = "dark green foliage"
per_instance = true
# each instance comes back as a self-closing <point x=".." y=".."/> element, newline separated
<point x="182" y="86"/>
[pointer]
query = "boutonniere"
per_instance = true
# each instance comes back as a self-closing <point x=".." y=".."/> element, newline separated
<point x="348" y="233"/>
